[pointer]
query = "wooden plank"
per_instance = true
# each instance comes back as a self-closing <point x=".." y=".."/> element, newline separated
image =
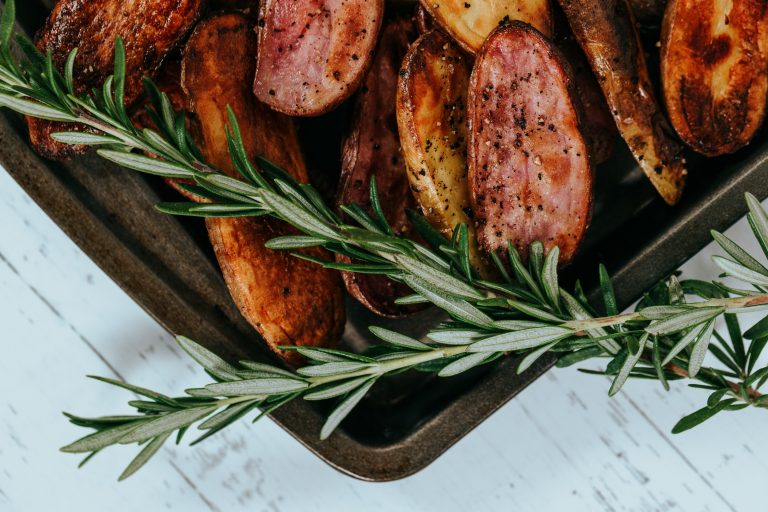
<point x="562" y="445"/>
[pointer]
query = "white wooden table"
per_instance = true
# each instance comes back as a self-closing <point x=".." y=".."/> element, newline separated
<point x="561" y="445"/>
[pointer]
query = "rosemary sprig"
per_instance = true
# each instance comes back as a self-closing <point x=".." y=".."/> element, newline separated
<point x="525" y="311"/>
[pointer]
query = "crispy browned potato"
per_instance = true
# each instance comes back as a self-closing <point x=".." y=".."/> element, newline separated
<point x="150" y="29"/>
<point x="372" y="148"/>
<point x="288" y="300"/>
<point x="714" y="73"/>
<point x="469" y="23"/>
<point x="597" y="124"/>
<point x="530" y="175"/>
<point x="607" y="34"/>
<point x="424" y="21"/>
<point x="431" y="117"/>
<point x="312" y="55"/>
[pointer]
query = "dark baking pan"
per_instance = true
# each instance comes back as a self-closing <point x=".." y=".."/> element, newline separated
<point x="407" y="421"/>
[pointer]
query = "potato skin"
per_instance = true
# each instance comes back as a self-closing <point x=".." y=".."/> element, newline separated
<point x="372" y="148"/>
<point x="598" y="126"/>
<point x="431" y="118"/>
<point x="313" y="54"/>
<point x="289" y="301"/>
<point x="714" y="73"/>
<point x="424" y="22"/>
<point x="469" y="23"/>
<point x="530" y="173"/>
<point x="606" y="32"/>
<point x="150" y="29"/>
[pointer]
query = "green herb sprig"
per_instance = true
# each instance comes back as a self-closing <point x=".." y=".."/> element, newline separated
<point x="525" y="311"/>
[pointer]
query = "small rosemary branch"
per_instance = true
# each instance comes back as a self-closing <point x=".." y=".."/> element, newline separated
<point x="525" y="311"/>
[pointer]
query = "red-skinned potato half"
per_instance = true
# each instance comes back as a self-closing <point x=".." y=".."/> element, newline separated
<point x="313" y="54"/>
<point x="288" y="300"/>
<point x="149" y="28"/>
<point x="606" y="32"/>
<point x="715" y="72"/>
<point x="469" y="23"/>
<point x="432" y="121"/>
<point x="372" y="149"/>
<point x="530" y="174"/>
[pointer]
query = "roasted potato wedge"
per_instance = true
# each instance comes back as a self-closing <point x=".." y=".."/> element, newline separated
<point x="288" y="300"/>
<point x="597" y="125"/>
<point x="150" y="29"/>
<point x="714" y="72"/>
<point x="313" y="55"/>
<point x="469" y="23"/>
<point x="530" y="174"/>
<point x="372" y="149"/>
<point x="431" y="118"/>
<point x="607" y="34"/>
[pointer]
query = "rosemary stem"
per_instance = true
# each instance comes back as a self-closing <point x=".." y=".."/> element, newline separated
<point x="393" y="365"/>
<point x="727" y="303"/>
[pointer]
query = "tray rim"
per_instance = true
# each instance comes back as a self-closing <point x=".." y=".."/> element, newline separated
<point x="431" y="439"/>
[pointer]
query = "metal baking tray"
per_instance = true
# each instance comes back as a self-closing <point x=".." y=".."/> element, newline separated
<point x="166" y="265"/>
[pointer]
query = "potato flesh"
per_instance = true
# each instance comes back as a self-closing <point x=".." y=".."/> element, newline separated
<point x="431" y="117"/>
<point x="469" y="23"/>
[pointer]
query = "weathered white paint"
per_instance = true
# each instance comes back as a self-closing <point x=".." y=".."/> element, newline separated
<point x="562" y="445"/>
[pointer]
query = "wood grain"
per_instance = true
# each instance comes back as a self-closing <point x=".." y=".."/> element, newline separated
<point x="561" y="445"/>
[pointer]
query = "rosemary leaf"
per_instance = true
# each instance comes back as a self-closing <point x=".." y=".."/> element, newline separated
<point x="463" y="364"/>
<point x="521" y="340"/>
<point x="337" y="389"/>
<point x="257" y="387"/>
<point x="144" y="455"/>
<point x="101" y="439"/>
<point x="458" y="308"/>
<point x="737" y="253"/>
<point x="740" y="271"/>
<point x="758" y="221"/>
<point x="146" y="164"/>
<point x="629" y="364"/>
<point x="397" y="339"/>
<point x="534" y="356"/>
<point x="334" y="368"/>
<point x="165" y="424"/>
<point x="683" y="321"/>
<point x="344" y="408"/>
<point x="700" y="416"/>
<point x="700" y="349"/>
<point x="609" y="296"/>
<point x="207" y="359"/>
